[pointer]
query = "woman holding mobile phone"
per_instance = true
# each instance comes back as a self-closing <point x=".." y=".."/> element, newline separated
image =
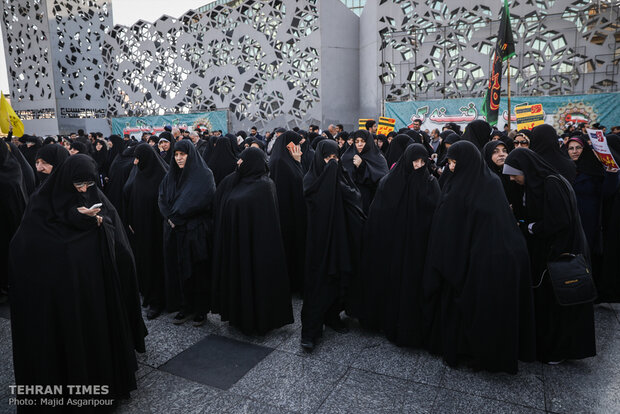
<point x="75" y="311"/>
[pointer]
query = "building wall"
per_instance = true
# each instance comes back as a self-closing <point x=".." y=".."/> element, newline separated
<point x="439" y="49"/>
<point x="259" y="59"/>
<point x="53" y="57"/>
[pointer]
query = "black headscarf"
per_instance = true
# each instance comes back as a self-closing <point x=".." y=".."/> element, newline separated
<point x="118" y="175"/>
<point x="101" y="156"/>
<point x="385" y="147"/>
<point x="480" y="304"/>
<point x="373" y="167"/>
<point x="478" y="132"/>
<point x="513" y="191"/>
<point x="167" y="156"/>
<point x="53" y="154"/>
<point x="223" y="160"/>
<point x="80" y="147"/>
<point x="587" y="163"/>
<point x="397" y="148"/>
<point x="90" y="307"/>
<point x="419" y="138"/>
<point x="255" y="296"/>
<point x="544" y="142"/>
<point x="28" y="176"/>
<point x="450" y="138"/>
<point x="233" y="142"/>
<point x="288" y="176"/>
<point x="188" y="191"/>
<point x="394" y="249"/>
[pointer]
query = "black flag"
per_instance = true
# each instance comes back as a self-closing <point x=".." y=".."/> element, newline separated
<point x="504" y="49"/>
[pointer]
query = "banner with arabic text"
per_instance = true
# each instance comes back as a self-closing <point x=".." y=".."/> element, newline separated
<point x="602" y="108"/>
<point x="135" y="126"/>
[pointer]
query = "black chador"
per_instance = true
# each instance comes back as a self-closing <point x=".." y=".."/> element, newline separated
<point x="186" y="203"/>
<point x="145" y="223"/>
<point x="608" y="283"/>
<point x="119" y="173"/>
<point x="53" y="154"/>
<point x="13" y="199"/>
<point x="372" y="168"/>
<point x="514" y="192"/>
<point x="287" y="173"/>
<point x="478" y="132"/>
<point x="394" y="248"/>
<point x="553" y="228"/>
<point x="397" y="148"/>
<point x="544" y="142"/>
<point x="477" y="281"/>
<point x="222" y="160"/>
<point x="75" y="310"/>
<point x="335" y="221"/>
<point x="250" y="283"/>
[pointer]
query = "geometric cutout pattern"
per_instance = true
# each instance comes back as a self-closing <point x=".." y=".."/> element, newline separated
<point x="258" y="59"/>
<point x="78" y="32"/>
<point x="436" y="49"/>
<point x="27" y="49"/>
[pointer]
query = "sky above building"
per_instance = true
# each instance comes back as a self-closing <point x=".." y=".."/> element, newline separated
<point x="127" y="12"/>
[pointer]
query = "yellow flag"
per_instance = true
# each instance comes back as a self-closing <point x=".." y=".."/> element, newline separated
<point x="8" y="117"/>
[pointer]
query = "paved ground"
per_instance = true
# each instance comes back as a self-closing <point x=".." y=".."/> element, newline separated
<point x="352" y="373"/>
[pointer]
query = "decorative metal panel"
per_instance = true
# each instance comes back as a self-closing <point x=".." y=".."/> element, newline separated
<point x="259" y="59"/>
<point x="436" y="49"/>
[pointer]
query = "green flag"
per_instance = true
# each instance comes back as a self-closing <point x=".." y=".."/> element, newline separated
<point x="504" y="49"/>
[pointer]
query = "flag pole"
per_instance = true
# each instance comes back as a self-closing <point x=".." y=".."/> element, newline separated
<point x="509" y="111"/>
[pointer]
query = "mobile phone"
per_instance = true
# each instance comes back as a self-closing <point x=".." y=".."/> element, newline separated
<point x="290" y="146"/>
<point x="98" y="205"/>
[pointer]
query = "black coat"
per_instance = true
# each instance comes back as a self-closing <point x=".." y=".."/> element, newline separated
<point x="75" y="311"/>
<point x="250" y="285"/>
<point x="477" y="278"/>
<point x="394" y="249"/>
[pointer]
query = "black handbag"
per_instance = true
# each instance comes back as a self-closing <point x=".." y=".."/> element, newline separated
<point x="571" y="276"/>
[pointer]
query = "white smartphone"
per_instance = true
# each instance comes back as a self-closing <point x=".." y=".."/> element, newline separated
<point x="98" y="205"/>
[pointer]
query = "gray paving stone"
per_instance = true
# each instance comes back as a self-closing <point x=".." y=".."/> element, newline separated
<point x="143" y="370"/>
<point x="228" y="403"/>
<point x="6" y="365"/>
<point x="590" y="385"/>
<point x="449" y="401"/>
<point x="333" y="347"/>
<point x="291" y="382"/>
<point x="525" y="388"/>
<point x="366" y="392"/>
<point x="165" y="340"/>
<point x="388" y="359"/>
<point x="160" y="392"/>
<point x="5" y="408"/>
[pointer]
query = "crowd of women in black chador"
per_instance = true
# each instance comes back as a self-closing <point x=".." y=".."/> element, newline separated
<point x="440" y="246"/>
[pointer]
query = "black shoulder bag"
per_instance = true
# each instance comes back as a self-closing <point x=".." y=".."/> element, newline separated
<point x="571" y="276"/>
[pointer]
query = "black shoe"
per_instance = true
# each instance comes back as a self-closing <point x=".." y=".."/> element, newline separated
<point x="307" y="344"/>
<point x="199" y="320"/>
<point x="338" y="325"/>
<point x="153" y="313"/>
<point x="180" y="318"/>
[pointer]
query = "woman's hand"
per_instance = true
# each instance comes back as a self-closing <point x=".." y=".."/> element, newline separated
<point x="296" y="153"/>
<point x="91" y="213"/>
<point x="357" y="160"/>
<point x="171" y="223"/>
